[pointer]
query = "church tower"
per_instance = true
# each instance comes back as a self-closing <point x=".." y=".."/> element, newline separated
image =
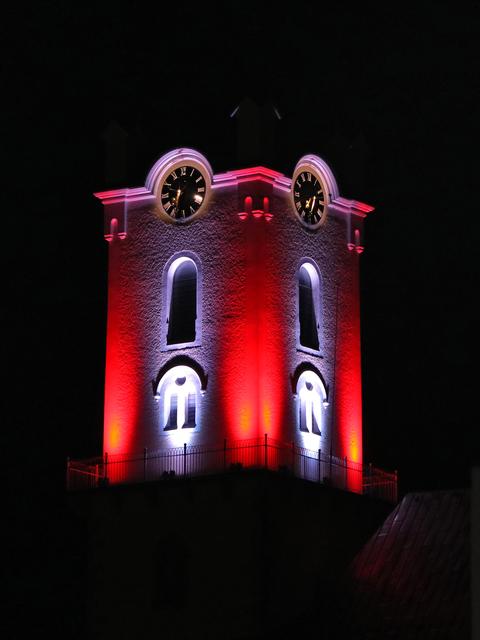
<point x="233" y="408"/>
<point x="233" y="321"/>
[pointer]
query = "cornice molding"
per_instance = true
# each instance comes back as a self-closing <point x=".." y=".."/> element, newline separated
<point x="253" y="174"/>
<point x="355" y="207"/>
<point x="114" y="196"/>
<point x="231" y="179"/>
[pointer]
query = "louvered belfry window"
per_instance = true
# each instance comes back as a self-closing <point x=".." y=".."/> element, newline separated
<point x="172" y="414"/>
<point x="303" y="420"/>
<point x="183" y="304"/>
<point x="190" y="422"/>
<point x="307" y="317"/>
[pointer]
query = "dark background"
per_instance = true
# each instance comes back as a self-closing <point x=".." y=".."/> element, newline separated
<point x="389" y="97"/>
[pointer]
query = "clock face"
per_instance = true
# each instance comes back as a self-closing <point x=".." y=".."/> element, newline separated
<point x="309" y="198"/>
<point x="183" y="192"/>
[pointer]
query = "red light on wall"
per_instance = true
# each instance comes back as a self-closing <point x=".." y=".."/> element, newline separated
<point x="272" y="349"/>
<point x="237" y="342"/>
<point x="253" y="367"/>
<point x="122" y="375"/>
<point x="246" y="422"/>
<point x="349" y="393"/>
<point x="113" y="430"/>
<point x="121" y="405"/>
<point x="354" y="450"/>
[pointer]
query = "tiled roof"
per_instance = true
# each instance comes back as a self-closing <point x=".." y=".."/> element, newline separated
<point x="411" y="580"/>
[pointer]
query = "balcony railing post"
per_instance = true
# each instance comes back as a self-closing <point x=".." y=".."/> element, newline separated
<point x="185" y="459"/>
<point x="105" y="467"/>
<point x="144" y="464"/>
<point x="266" y="451"/>
<point x="346" y="470"/>
<point x="319" y="465"/>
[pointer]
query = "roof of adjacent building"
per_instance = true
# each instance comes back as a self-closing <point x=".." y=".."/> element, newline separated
<point x="411" y="580"/>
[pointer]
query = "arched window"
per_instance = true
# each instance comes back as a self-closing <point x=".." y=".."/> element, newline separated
<point x="312" y="400"/>
<point x="309" y="307"/>
<point x="179" y="395"/>
<point x="182" y="302"/>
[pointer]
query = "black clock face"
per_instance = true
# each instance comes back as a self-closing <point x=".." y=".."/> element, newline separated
<point x="183" y="192"/>
<point x="309" y="198"/>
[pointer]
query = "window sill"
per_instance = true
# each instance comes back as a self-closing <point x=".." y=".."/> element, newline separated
<point x="312" y="352"/>
<point x="181" y="345"/>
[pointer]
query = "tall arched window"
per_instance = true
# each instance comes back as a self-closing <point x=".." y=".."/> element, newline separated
<point x="312" y="400"/>
<point x="309" y="307"/>
<point x="182" y="302"/>
<point x="179" y="395"/>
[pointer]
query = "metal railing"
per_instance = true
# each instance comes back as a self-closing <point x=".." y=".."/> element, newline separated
<point x="267" y="453"/>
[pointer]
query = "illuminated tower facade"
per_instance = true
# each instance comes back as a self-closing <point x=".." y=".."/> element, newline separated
<point x="233" y="310"/>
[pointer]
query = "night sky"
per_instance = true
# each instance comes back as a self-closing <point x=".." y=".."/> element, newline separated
<point x="389" y="97"/>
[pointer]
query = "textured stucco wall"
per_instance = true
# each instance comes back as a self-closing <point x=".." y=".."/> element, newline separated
<point x="249" y="320"/>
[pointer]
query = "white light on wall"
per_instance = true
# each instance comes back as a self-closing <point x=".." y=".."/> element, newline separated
<point x="178" y="395"/>
<point x="311" y="403"/>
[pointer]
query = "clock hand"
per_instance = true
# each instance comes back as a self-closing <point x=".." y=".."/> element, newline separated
<point x="178" y="197"/>
<point x="307" y="200"/>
